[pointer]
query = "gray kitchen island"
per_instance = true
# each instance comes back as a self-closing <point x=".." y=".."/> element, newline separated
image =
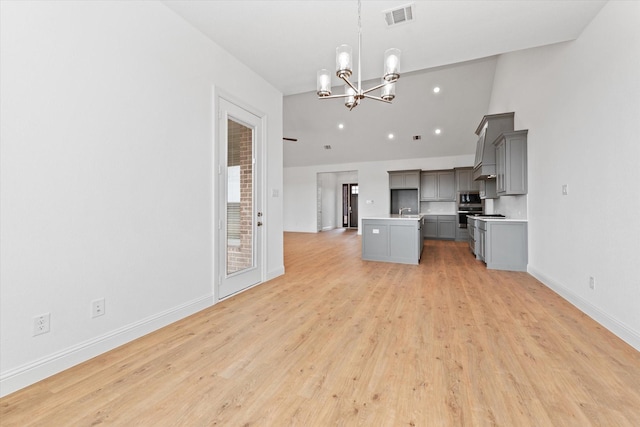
<point x="392" y="238"/>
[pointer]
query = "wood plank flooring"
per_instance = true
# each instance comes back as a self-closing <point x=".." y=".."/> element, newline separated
<point x="341" y="341"/>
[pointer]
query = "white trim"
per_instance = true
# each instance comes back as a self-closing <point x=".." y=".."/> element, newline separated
<point x="619" y="329"/>
<point x="218" y="193"/>
<point x="28" y="374"/>
<point x="275" y="273"/>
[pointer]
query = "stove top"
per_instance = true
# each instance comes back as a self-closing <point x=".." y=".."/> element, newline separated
<point x="491" y="215"/>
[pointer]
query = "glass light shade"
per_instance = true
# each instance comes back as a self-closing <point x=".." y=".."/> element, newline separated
<point x="324" y="83"/>
<point x="350" y="101"/>
<point x="343" y="61"/>
<point x="388" y="90"/>
<point x="392" y="64"/>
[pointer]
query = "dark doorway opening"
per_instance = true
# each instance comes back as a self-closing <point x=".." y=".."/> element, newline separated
<point x="350" y="205"/>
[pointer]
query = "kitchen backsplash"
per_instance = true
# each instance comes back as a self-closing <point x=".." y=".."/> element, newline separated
<point x="511" y="206"/>
<point x="444" y="208"/>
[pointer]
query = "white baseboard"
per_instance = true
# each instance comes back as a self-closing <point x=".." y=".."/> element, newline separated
<point x="619" y="329"/>
<point x="28" y="374"/>
<point x="275" y="273"/>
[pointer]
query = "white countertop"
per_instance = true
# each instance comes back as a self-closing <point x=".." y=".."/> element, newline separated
<point x="488" y="219"/>
<point x="396" y="216"/>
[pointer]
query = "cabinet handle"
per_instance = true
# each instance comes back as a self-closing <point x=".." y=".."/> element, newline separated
<point x="259" y="223"/>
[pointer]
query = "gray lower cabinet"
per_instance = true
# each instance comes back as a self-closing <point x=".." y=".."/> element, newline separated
<point x="440" y="227"/>
<point x="392" y="240"/>
<point x="462" y="234"/>
<point x="501" y="244"/>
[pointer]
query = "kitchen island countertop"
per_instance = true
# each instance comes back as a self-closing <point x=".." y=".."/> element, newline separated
<point x="416" y="217"/>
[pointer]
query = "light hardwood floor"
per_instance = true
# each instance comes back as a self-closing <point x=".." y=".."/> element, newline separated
<point x="340" y="341"/>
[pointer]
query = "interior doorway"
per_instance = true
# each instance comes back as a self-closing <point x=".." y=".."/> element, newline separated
<point x="329" y="198"/>
<point x="350" y="205"/>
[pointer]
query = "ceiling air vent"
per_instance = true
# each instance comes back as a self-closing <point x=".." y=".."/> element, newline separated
<point x="399" y="15"/>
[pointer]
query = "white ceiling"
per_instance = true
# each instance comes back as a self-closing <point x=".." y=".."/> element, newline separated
<point x="286" y="42"/>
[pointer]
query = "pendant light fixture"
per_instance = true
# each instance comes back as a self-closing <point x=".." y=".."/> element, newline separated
<point x="344" y="67"/>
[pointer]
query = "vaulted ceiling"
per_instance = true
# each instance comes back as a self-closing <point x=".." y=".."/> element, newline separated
<point x="450" y="44"/>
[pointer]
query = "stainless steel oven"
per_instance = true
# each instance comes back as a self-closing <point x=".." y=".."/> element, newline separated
<point x="469" y="198"/>
<point x="468" y="203"/>
<point x="462" y="215"/>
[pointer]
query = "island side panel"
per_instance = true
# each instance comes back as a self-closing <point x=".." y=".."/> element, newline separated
<point x="390" y="240"/>
<point x="375" y="240"/>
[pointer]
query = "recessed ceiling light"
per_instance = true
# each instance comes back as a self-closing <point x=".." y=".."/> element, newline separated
<point x="436" y="89"/>
<point x="438" y="131"/>
<point x="340" y="125"/>
<point x="390" y="136"/>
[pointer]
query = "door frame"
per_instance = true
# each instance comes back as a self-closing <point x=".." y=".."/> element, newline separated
<point x="218" y="195"/>
<point x="347" y="206"/>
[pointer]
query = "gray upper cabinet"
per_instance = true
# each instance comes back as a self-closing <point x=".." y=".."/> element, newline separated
<point x="489" y="129"/>
<point x="438" y="186"/>
<point x="488" y="189"/>
<point x="404" y="179"/>
<point x="511" y="163"/>
<point x="464" y="180"/>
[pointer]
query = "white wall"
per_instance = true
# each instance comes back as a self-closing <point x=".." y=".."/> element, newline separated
<point x="327" y="182"/>
<point x="373" y="185"/>
<point x="107" y="178"/>
<point x="581" y="103"/>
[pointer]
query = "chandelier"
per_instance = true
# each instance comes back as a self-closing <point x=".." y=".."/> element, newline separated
<point x="355" y="93"/>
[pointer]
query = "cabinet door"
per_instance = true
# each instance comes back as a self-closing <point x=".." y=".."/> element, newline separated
<point x="511" y="163"/>
<point x="446" y="186"/>
<point x="431" y="228"/>
<point x="480" y="248"/>
<point x="515" y="172"/>
<point x="412" y="179"/>
<point x="500" y="167"/>
<point x="446" y="227"/>
<point x="464" y="180"/>
<point x="429" y="186"/>
<point x="488" y="189"/>
<point x="396" y="180"/>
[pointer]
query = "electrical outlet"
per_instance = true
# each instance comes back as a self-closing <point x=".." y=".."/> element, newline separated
<point x="41" y="324"/>
<point x="97" y="307"/>
<point x="565" y="189"/>
<point x="592" y="283"/>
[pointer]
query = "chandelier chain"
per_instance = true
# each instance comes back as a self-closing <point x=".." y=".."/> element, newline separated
<point x="359" y="17"/>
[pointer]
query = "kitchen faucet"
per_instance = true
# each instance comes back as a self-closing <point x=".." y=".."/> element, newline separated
<point x="403" y="209"/>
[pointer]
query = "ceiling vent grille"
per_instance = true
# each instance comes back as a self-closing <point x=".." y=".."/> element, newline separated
<point x="399" y="15"/>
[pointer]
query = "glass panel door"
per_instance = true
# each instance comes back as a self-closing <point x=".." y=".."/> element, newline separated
<point x="240" y="260"/>
<point x="240" y="254"/>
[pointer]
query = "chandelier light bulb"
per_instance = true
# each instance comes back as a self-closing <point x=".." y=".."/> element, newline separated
<point x="392" y="64"/>
<point x="388" y="90"/>
<point x="343" y="60"/>
<point x="350" y="101"/>
<point x="324" y="83"/>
